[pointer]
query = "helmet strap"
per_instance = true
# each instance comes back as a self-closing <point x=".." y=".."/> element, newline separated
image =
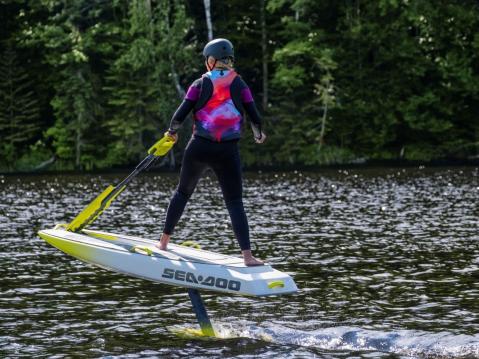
<point x="208" y="64"/>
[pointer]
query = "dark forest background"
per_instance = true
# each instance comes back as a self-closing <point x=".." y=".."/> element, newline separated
<point x="91" y="84"/>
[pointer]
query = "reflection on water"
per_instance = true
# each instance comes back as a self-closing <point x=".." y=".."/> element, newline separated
<point x="387" y="262"/>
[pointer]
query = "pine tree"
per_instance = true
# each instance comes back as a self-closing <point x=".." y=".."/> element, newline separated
<point x="303" y="85"/>
<point x="140" y="85"/>
<point x="68" y="37"/>
<point x="19" y="109"/>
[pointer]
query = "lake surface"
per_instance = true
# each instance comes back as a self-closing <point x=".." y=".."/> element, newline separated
<point x="387" y="262"/>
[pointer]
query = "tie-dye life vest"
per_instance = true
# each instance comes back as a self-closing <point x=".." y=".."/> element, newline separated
<point x="219" y="119"/>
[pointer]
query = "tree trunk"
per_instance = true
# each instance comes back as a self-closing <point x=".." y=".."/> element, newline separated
<point x="264" y="49"/>
<point x="148" y="8"/>
<point x="176" y="80"/>
<point x="172" y="159"/>
<point x="179" y="89"/>
<point x="209" y="24"/>
<point x="140" y="141"/>
<point x="78" y="140"/>
<point x="45" y="164"/>
<point x="78" y="128"/>
<point x="323" y="125"/>
<point x="358" y="51"/>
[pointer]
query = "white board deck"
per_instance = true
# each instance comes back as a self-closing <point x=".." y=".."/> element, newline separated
<point x="183" y="252"/>
<point x="179" y="266"/>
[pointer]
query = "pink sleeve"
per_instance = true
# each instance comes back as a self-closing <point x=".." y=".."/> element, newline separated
<point x="193" y="93"/>
<point x="246" y="95"/>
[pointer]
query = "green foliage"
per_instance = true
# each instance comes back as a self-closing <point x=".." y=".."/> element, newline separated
<point x="70" y="42"/>
<point x="37" y="154"/>
<point x="139" y="84"/>
<point x="305" y="86"/>
<point x="19" y="109"/>
<point x="97" y="81"/>
<point x="396" y="78"/>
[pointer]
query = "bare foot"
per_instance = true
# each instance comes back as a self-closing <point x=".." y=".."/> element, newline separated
<point x="249" y="260"/>
<point x="163" y="244"/>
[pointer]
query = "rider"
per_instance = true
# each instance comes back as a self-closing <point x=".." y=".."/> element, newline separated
<point x="218" y="100"/>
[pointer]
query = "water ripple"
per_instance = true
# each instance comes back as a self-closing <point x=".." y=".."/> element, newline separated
<point x="387" y="261"/>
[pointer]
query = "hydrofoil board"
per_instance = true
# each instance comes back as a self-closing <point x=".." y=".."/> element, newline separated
<point x="180" y="265"/>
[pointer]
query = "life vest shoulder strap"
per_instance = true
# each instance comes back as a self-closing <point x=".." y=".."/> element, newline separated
<point x="235" y="91"/>
<point x="206" y="92"/>
<point x="207" y="88"/>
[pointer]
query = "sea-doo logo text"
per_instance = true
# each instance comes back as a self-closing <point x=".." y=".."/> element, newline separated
<point x="209" y="281"/>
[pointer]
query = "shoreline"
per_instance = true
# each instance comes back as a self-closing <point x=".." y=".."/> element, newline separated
<point x="373" y="164"/>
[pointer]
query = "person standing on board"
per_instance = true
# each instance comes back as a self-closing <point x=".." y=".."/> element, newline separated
<point x="218" y="100"/>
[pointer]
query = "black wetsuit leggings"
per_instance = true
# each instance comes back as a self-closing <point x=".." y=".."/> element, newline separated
<point x="223" y="158"/>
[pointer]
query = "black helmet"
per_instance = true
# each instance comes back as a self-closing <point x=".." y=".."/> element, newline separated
<point x="219" y="49"/>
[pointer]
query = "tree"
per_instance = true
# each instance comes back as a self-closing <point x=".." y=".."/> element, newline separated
<point x="264" y="50"/>
<point x="209" y="24"/>
<point x="68" y="34"/>
<point x="142" y="80"/>
<point x="303" y="79"/>
<point x="19" y="108"/>
<point x="340" y="79"/>
<point x="325" y="90"/>
<point x="403" y="74"/>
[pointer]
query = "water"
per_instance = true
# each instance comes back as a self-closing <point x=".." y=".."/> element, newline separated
<point x="387" y="262"/>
